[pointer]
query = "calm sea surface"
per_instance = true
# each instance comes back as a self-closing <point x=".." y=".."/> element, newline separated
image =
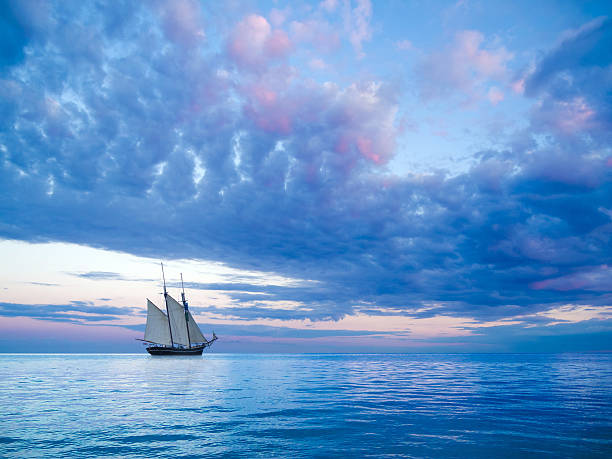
<point x="240" y="405"/>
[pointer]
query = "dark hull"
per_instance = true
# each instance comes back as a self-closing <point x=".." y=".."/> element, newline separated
<point x="160" y="350"/>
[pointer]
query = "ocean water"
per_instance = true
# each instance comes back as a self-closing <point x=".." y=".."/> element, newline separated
<point x="312" y="405"/>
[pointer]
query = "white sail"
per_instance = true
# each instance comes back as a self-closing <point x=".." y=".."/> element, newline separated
<point x="195" y="334"/>
<point x="157" y="330"/>
<point x="177" y="320"/>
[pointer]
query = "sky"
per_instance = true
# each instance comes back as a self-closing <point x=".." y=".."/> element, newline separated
<point x="335" y="176"/>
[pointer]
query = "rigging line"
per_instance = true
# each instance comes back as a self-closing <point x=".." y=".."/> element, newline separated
<point x="186" y="311"/>
<point x="166" y="300"/>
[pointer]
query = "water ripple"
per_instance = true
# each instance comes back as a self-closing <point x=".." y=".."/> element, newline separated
<point x="306" y="405"/>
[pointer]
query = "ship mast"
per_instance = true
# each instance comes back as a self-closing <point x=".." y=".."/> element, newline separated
<point x="186" y="306"/>
<point x="166" y="301"/>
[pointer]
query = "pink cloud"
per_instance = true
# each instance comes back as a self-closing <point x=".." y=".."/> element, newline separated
<point x="253" y="43"/>
<point x="182" y="21"/>
<point x="275" y="122"/>
<point x="318" y="33"/>
<point x="465" y="66"/>
<point x="249" y="35"/>
<point x="566" y="118"/>
<point x="264" y="96"/>
<point x="357" y="24"/>
<point x="575" y="115"/>
<point x="358" y="122"/>
<point x="368" y="121"/>
<point x="278" y="44"/>
<point x="267" y="111"/>
<point x="343" y="144"/>
<point x="518" y="86"/>
<point x="366" y="148"/>
<point x="404" y="45"/>
<point x="495" y="95"/>
<point x="317" y="64"/>
<point x="329" y="5"/>
<point x="488" y="63"/>
<point x="278" y="17"/>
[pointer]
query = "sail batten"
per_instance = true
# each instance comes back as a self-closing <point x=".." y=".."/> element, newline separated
<point x="156" y="330"/>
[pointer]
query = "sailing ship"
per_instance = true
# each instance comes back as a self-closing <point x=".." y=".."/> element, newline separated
<point x="173" y="332"/>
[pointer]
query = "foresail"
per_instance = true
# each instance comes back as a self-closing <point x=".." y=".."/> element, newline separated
<point x="157" y="330"/>
<point x="195" y="334"/>
<point x="177" y="320"/>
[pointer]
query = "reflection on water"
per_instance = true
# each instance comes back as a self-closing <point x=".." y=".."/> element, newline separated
<point x="306" y="405"/>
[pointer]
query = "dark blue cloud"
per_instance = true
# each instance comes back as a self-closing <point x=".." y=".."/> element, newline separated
<point x="573" y="84"/>
<point x="12" y="35"/>
<point x="129" y="140"/>
<point x="106" y="275"/>
<point x="589" y="47"/>
<point x="75" y="312"/>
<point x="225" y="331"/>
<point x="590" y="335"/>
<point x="100" y="275"/>
<point x="20" y="23"/>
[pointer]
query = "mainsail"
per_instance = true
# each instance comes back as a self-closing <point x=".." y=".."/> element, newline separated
<point x="179" y="326"/>
<point x="157" y="330"/>
<point x="177" y="321"/>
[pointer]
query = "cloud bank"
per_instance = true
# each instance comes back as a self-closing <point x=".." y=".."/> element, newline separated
<point x="130" y="130"/>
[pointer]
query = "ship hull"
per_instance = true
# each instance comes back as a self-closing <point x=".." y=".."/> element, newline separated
<point x="160" y="350"/>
